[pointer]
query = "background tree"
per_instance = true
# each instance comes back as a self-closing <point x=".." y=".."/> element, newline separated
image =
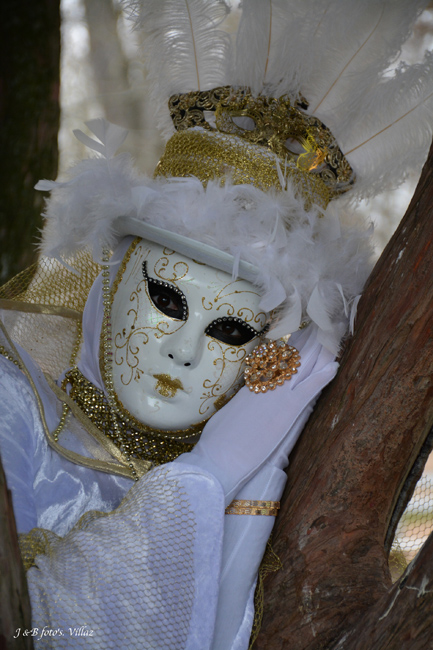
<point x="29" y="118"/>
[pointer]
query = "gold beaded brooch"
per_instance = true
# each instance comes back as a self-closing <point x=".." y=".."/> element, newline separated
<point x="270" y="365"/>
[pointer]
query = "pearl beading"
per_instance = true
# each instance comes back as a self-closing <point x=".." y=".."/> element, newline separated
<point x="108" y="362"/>
<point x="234" y="319"/>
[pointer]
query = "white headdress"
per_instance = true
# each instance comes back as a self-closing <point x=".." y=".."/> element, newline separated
<point x="252" y="181"/>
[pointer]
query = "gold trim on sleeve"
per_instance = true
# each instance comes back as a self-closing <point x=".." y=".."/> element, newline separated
<point x="252" y="507"/>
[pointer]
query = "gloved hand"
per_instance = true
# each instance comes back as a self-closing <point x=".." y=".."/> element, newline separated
<point x="253" y="429"/>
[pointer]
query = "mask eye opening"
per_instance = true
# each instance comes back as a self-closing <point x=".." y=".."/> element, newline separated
<point x="231" y="330"/>
<point x="166" y="297"/>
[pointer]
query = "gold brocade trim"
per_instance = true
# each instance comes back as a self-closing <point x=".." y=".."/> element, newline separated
<point x="244" y="503"/>
<point x="141" y="442"/>
<point x="252" y="507"/>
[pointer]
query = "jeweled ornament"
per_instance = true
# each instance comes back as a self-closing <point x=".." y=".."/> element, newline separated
<point x="270" y="365"/>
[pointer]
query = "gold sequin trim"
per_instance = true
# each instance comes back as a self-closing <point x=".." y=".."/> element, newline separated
<point x="138" y="440"/>
<point x="269" y="564"/>
<point x="209" y="155"/>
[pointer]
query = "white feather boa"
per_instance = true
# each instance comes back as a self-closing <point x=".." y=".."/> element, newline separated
<point x="321" y="263"/>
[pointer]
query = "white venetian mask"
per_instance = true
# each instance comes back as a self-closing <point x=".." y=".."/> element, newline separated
<point x="181" y="331"/>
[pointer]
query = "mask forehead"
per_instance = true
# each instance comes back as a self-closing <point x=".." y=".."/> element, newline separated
<point x="220" y="293"/>
<point x="172" y="372"/>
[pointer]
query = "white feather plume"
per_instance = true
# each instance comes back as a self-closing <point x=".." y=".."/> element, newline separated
<point x="335" y="52"/>
<point x="275" y="45"/>
<point x="325" y="49"/>
<point x="393" y="131"/>
<point x="356" y="41"/>
<point x="256" y="31"/>
<point x="290" y="246"/>
<point x="182" y="46"/>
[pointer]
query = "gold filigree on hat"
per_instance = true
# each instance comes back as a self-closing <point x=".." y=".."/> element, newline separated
<point x="246" y="130"/>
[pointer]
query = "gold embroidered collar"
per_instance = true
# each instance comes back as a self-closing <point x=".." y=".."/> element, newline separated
<point x="136" y="439"/>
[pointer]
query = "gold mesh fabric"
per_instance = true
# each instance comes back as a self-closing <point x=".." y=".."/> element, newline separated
<point x="49" y="284"/>
<point x="43" y="308"/>
<point x="209" y="155"/>
<point x="37" y="542"/>
<point x="414" y="527"/>
<point x="270" y="563"/>
<point x="128" y="575"/>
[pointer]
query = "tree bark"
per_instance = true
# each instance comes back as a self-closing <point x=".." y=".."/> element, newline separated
<point x="387" y="625"/>
<point x="357" y="450"/>
<point x="29" y="117"/>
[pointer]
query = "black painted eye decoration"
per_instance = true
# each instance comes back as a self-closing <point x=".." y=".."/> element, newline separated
<point x="233" y="331"/>
<point x="166" y="297"/>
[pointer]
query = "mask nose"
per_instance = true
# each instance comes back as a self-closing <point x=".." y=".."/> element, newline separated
<point x="184" y="347"/>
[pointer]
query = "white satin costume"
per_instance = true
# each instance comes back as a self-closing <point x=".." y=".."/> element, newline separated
<point x="157" y="564"/>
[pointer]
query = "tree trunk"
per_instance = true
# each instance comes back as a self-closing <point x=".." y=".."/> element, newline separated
<point x="14" y="600"/>
<point x="353" y="458"/>
<point x="387" y="624"/>
<point x="29" y="118"/>
<point x="29" y="114"/>
<point x="110" y="65"/>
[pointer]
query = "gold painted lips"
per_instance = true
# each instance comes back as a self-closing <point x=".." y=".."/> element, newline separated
<point x="167" y="386"/>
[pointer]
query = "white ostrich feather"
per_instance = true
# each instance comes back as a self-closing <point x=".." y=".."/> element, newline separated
<point x="269" y="37"/>
<point x="394" y="129"/>
<point x="182" y="46"/>
<point x="356" y="41"/>
<point x="327" y="49"/>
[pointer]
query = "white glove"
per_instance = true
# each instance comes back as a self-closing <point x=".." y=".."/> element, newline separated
<point x="253" y="429"/>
